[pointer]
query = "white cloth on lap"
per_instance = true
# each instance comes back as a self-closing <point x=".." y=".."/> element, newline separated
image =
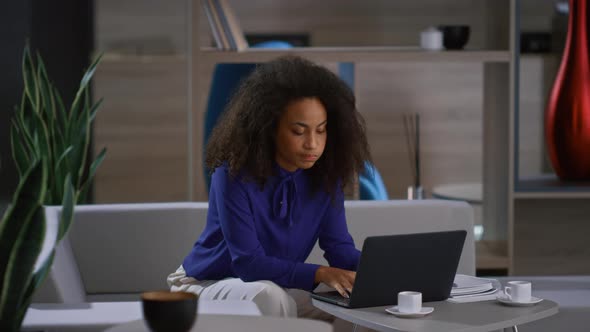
<point x="271" y="299"/>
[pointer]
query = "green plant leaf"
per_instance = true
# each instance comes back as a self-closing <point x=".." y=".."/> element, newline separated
<point x="63" y="114"/>
<point x="62" y="171"/>
<point x="90" y="72"/>
<point x="20" y="266"/>
<point x="21" y="122"/>
<point x="32" y="286"/>
<point x="94" y="109"/>
<point x="63" y="157"/>
<point x="43" y="146"/>
<point x="19" y="232"/>
<point x="62" y="140"/>
<point x="40" y="275"/>
<point x="29" y="193"/>
<point x="19" y="154"/>
<point x="48" y="116"/>
<point x="67" y="212"/>
<point x="42" y="109"/>
<point x="54" y="124"/>
<point x="93" y="168"/>
<point x="85" y="127"/>
<point x="45" y="91"/>
<point x="28" y="70"/>
<point x="83" y="85"/>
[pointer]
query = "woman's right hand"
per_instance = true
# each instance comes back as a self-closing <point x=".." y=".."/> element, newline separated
<point x="339" y="279"/>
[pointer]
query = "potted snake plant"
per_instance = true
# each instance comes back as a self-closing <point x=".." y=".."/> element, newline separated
<point x="50" y="147"/>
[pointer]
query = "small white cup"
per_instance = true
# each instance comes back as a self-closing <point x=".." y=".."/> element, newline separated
<point x="518" y="291"/>
<point x="409" y="302"/>
<point x="431" y="39"/>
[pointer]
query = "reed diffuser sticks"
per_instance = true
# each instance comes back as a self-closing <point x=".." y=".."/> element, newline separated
<point x="412" y="134"/>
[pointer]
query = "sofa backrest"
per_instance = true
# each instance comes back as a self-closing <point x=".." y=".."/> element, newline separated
<point x="132" y="248"/>
<point x="115" y="250"/>
<point x="369" y="218"/>
<point x="124" y="249"/>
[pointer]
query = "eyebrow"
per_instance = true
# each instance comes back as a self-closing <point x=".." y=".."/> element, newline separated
<point x="307" y="126"/>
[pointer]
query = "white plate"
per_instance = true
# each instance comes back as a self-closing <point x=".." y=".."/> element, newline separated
<point x="425" y="311"/>
<point x="505" y="300"/>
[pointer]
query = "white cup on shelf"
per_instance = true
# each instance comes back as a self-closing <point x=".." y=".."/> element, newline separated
<point x="409" y="302"/>
<point x="431" y="39"/>
<point x="518" y="291"/>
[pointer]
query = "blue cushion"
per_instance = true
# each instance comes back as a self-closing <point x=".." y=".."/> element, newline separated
<point x="371" y="186"/>
<point x="273" y="44"/>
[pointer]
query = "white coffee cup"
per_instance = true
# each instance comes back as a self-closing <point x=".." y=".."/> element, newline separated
<point x="518" y="291"/>
<point x="409" y="302"/>
<point x="431" y="39"/>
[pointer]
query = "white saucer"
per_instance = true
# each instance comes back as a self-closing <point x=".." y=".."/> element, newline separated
<point x="423" y="312"/>
<point x="505" y="300"/>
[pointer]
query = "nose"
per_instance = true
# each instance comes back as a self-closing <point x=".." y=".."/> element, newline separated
<point x="311" y="142"/>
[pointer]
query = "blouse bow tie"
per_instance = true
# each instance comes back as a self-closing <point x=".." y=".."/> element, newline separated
<point x="284" y="197"/>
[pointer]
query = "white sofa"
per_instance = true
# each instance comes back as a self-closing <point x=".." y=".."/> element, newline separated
<point x="116" y="251"/>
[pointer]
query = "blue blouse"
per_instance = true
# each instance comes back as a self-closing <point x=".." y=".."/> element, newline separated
<point x="267" y="234"/>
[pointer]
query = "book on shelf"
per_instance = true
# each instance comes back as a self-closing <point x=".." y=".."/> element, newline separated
<point x="225" y="27"/>
<point x="473" y="289"/>
<point x="225" y="30"/>
<point x="215" y="25"/>
<point x="231" y="25"/>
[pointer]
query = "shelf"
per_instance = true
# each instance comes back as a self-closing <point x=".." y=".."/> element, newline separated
<point x="548" y="186"/>
<point x="115" y="57"/>
<point x="357" y="54"/>
<point x="541" y="56"/>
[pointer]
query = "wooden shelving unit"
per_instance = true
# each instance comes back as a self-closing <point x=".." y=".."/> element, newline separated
<point x="548" y="218"/>
<point x="358" y="54"/>
<point x="548" y="186"/>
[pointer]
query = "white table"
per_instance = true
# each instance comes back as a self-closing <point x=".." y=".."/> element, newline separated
<point x="97" y="316"/>
<point x="470" y="192"/>
<point x="464" y="317"/>
<point x="230" y="323"/>
<point x="571" y="293"/>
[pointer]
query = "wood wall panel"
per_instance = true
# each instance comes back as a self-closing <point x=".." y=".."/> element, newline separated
<point x="551" y="237"/>
<point x="142" y="123"/>
<point x="451" y="115"/>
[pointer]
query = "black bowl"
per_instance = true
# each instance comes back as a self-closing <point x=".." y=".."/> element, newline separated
<point x="454" y="36"/>
<point x="169" y="311"/>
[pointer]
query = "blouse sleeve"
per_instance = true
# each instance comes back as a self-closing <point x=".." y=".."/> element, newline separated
<point x="249" y="261"/>
<point x="335" y="240"/>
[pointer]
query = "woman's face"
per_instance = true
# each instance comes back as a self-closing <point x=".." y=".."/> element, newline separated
<point x="301" y="134"/>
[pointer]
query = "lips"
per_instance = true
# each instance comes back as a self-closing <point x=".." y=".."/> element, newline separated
<point x="309" y="157"/>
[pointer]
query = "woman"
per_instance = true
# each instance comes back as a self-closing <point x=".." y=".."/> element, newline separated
<point x="290" y="140"/>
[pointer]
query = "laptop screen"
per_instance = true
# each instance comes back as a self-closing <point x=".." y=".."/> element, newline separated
<point x="421" y="262"/>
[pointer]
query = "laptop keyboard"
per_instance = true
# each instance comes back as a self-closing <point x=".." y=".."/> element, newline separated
<point x="335" y="296"/>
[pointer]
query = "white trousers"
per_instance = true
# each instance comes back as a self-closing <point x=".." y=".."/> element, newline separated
<point x="271" y="299"/>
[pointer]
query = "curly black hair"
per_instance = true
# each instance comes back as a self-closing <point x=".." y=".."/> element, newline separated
<point x="245" y="136"/>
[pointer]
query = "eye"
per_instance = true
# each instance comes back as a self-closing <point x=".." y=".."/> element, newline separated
<point x="297" y="133"/>
<point x="321" y="130"/>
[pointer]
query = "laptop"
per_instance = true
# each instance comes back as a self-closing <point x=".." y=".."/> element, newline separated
<point x="421" y="262"/>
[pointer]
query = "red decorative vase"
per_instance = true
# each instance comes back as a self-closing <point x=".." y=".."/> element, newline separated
<point x="567" y="117"/>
